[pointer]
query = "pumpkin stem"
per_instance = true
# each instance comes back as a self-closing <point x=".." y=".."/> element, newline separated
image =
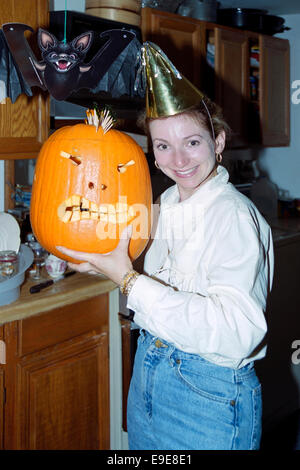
<point x="102" y="118"/>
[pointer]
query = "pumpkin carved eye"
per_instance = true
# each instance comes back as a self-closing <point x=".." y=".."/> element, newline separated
<point x="73" y="158"/>
<point x="123" y="167"/>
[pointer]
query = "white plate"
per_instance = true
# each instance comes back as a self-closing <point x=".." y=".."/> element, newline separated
<point x="3" y="239"/>
<point x="9" y="232"/>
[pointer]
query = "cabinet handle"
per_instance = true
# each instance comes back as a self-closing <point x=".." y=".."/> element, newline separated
<point x="2" y="352"/>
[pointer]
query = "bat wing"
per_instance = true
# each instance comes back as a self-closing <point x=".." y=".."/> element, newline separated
<point x="117" y="41"/>
<point x="12" y="83"/>
<point x="118" y="82"/>
<point x="121" y="78"/>
<point x="22" y="53"/>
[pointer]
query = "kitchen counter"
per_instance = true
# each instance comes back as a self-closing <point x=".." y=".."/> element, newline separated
<point x="64" y="292"/>
<point x="285" y="230"/>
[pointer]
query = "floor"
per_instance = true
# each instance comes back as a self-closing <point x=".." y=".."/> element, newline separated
<point x="285" y="436"/>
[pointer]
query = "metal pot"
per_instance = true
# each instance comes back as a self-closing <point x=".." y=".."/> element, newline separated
<point x="201" y="9"/>
<point x="251" y="19"/>
<point x="273" y="24"/>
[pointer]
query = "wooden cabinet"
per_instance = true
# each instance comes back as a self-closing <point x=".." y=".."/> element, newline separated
<point x="260" y="119"/>
<point x="2" y="398"/>
<point x="274" y="99"/>
<point x="231" y="86"/>
<point x="24" y="125"/>
<point x="181" y="39"/>
<point x="2" y="388"/>
<point x="57" y="379"/>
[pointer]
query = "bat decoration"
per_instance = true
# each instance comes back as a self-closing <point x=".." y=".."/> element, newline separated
<point x="62" y="63"/>
<point x="11" y="81"/>
<point x="62" y="70"/>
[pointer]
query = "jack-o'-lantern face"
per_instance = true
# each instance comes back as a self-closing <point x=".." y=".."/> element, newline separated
<point x="88" y="186"/>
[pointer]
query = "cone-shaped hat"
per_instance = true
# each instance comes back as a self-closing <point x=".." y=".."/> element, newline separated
<point x="168" y="92"/>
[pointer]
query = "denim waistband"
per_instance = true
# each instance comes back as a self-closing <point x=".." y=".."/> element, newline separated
<point x="164" y="348"/>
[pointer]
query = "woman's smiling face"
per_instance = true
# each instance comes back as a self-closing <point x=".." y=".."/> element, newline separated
<point x="185" y="151"/>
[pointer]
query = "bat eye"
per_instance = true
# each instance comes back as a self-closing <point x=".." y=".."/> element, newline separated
<point x="53" y="55"/>
<point x="73" y="56"/>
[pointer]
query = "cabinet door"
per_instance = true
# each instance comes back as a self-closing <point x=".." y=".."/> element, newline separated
<point x="57" y="379"/>
<point x="231" y="66"/>
<point x="63" y="396"/>
<point x="182" y="40"/>
<point x="2" y="386"/>
<point x="275" y="91"/>
<point x="24" y="125"/>
<point x="2" y="403"/>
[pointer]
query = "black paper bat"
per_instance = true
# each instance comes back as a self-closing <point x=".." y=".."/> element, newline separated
<point x="63" y="71"/>
<point x="62" y="68"/>
<point x="11" y="80"/>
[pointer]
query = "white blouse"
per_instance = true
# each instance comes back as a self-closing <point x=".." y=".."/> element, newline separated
<point x="208" y="272"/>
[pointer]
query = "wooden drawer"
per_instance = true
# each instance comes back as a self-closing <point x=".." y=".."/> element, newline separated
<point x="56" y="326"/>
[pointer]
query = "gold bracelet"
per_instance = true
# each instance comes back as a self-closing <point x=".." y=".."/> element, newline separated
<point x="126" y="278"/>
<point x="128" y="281"/>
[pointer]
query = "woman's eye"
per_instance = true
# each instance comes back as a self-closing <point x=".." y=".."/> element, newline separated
<point x="193" y="143"/>
<point x="162" y="146"/>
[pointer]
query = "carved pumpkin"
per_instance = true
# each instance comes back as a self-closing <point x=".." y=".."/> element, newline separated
<point x="88" y="186"/>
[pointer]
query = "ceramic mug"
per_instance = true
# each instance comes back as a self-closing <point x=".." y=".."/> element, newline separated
<point x="55" y="267"/>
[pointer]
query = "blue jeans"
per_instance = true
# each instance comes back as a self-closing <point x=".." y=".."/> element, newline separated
<point x="179" y="401"/>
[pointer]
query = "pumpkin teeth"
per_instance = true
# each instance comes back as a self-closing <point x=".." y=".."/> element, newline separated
<point x="76" y="208"/>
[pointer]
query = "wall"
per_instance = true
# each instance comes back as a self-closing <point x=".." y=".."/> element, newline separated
<point x="282" y="164"/>
<point x="75" y="5"/>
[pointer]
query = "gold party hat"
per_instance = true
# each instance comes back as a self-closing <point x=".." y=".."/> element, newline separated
<point x="168" y="92"/>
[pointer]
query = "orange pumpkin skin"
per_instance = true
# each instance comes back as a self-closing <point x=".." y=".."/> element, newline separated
<point x="93" y="174"/>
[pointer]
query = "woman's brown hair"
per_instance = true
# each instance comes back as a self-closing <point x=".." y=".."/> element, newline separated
<point x="206" y="112"/>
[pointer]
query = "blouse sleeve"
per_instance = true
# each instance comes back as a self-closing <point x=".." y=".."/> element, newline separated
<point x="229" y="320"/>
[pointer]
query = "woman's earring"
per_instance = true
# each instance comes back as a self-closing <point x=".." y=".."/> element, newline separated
<point x="156" y="164"/>
<point x="219" y="157"/>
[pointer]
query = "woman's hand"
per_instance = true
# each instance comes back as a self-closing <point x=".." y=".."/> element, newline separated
<point x="114" y="265"/>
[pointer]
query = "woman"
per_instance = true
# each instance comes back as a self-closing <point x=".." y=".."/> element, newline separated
<point x="201" y="299"/>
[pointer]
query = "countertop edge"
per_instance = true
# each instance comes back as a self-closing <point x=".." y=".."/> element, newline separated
<point x="57" y="296"/>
